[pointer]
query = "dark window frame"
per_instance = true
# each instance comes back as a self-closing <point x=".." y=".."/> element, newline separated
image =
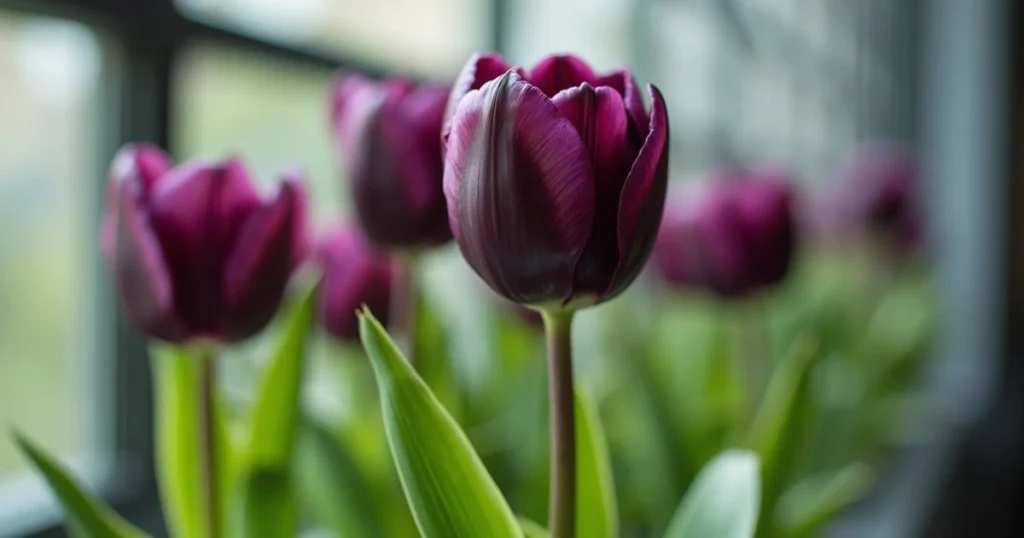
<point x="149" y="36"/>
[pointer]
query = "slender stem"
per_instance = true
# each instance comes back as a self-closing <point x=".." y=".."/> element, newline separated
<point x="755" y="344"/>
<point x="562" y="504"/>
<point x="208" y="443"/>
<point x="404" y="307"/>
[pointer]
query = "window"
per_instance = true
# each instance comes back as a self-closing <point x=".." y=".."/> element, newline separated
<point x="50" y="79"/>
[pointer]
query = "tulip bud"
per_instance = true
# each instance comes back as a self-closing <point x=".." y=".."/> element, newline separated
<point x="555" y="179"/>
<point x="194" y="249"/>
<point x="877" y="191"/>
<point x="353" y="275"/>
<point x="387" y="136"/>
<point x="732" y="235"/>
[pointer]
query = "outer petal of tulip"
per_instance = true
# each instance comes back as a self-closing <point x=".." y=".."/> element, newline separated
<point x="602" y="122"/>
<point x="520" y="191"/>
<point x="764" y="209"/>
<point x="354" y="275"/>
<point x="256" y="270"/>
<point x="643" y="200"/>
<point x="140" y="269"/>
<point x="480" y="69"/>
<point x="143" y="163"/>
<point x="197" y="211"/>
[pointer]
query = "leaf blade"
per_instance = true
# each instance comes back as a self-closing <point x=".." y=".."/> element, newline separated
<point x="723" y="501"/>
<point x="597" y="513"/>
<point x="447" y="487"/>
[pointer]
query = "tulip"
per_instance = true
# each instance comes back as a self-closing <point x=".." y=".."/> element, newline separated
<point x="555" y="181"/>
<point x="195" y="251"/>
<point x="733" y="235"/>
<point x="877" y="191"/>
<point x="353" y="275"/>
<point x="387" y="133"/>
<point x="555" y="178"/>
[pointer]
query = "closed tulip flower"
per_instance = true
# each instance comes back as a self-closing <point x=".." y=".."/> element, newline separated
<point x="387" y="133"/>
<point x="353" y="275"/>
<point x="195" y="251"/>
<point x="733" y="235"/>
<point x="555" y="178"/>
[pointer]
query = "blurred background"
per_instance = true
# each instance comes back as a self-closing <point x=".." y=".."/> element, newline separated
<point x="795" y="82"/>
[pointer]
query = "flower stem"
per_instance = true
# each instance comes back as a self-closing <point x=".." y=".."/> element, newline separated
<point x="404" y="307"/>
<point x="755" y="346"/>
<point x="562" y="503"/>
<point x="208" y="443"/>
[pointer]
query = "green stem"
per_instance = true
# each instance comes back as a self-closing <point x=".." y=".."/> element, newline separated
<point x="562" y="503"/>
<point x="755" y="342"/>
<point x="405" y="297"/>
<point x="208" y="443"/>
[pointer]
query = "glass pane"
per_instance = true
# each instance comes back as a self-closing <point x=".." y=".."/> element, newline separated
<point x="428" y="38"/>
<point x="49" y="72"/>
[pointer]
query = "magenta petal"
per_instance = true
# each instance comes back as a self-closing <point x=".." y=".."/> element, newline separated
<point x="480" y="69"/>
<point x="197" y="211"/>
<point x="560" y="72"/>
<point x="143" y="163"/>
<point x="623" y="82"/>
<point x="143" y="281"/>
<point x="520" y="190"/>
<point x="260" y="262"/>
<point x="353" y="275"/>
<point x="602" y="122"/>
<point x="764" y="209"/>
<point x="354" y="100"/>
<point x="643" y="199"/>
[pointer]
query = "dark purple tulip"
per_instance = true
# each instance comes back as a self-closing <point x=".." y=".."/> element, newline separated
<point x="196" y="252"/>
<point x="732" y="235"/>
<point x="877" y="190"/>
<point x="387" y="135"/>
<point x="555" y="179"/>
<point x="354" y="275"/>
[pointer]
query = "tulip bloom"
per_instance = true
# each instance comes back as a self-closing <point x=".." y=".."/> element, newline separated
<point x="555" y="178"/>
<point x="194" y="249"/>
<point x="387" y="134"/>
<point x="733" y="235"/>
<point x="877" y="190"/>
<point x="353" y="275"/>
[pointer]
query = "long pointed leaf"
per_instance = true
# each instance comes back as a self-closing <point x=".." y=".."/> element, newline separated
<point x="597" y="513"/>
<point x="446" y="484"/>
<point x="534" y="530"/>
<point x="176" y="382"/>
<point x="804" y="508"/>
<point x="86" y="515"/>
<point x="265" y="502"/>
<point x="723" y="501"/>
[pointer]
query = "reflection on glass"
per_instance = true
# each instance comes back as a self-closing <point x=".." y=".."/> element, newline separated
<point x="49" y="70"/>
<point x="426" y="37"/>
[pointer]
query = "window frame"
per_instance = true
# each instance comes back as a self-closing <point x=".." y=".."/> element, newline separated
<point x="148" y="37"/>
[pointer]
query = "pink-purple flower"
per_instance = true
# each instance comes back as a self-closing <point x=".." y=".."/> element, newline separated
<point x="354" y="274"/>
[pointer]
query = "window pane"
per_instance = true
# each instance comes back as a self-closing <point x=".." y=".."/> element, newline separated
<point x="426" y="37"/>
<point x="49" y="72"/>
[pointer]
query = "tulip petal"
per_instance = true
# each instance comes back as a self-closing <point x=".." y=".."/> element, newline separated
<point x="354" y="275"/>
<point x="520" y="190"/>
<point x="726" y="264"/>
<point x="354" y="100"/>
<point x="143" y="280"/>
<point x="624" y="83"/>
<point x="260" y="263"/>
<point x="763" y="208"/>
<point x="480" y="69"/>
<point x="561" y="72"/>
<point x="602" y="122"/>
<point x="197" y="211"/>
<point x="142" y="162"/>
<point x="643" y="199"/>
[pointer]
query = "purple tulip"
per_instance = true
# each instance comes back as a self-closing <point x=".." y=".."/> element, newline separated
<point x="877" y="190"/>
<point x="387" y="134"/>
<point x="732" y="235"/>
<point x="354" y="275"/>
<point x="194" y="249"/>
<point x="555" y="179"/>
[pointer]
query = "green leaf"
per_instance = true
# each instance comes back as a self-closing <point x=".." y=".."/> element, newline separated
<point x="337" y="491"/>
<point x="597" y="513"/>
<point x="448" y="489"/>
<point x="176" y="381"/>
<point x="534" y="530"/>
<point x="87" y="516"/>
<point x="265" y="494"/>
<point x="807" y="506"/>
<point x="723" y="501"/>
